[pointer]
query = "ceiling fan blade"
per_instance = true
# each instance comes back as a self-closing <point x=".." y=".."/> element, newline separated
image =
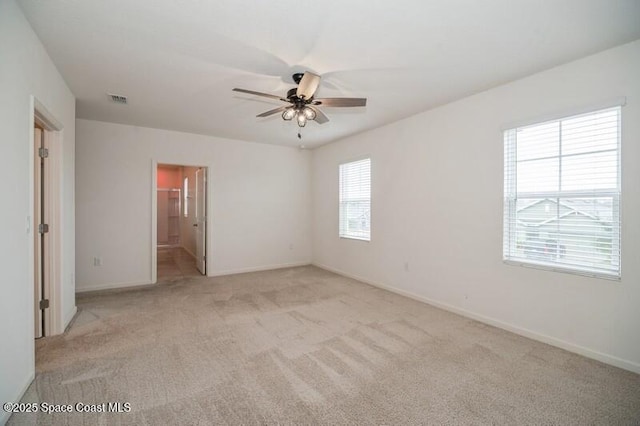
<point x="273" y="111"/>
<point x="320" y="117"/>
<point x="308" y="85"/>
<point x="264" y="95"/>
<point x="341" y="102"/>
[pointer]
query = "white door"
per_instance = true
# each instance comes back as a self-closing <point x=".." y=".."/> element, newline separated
<point x="201" y="219"/>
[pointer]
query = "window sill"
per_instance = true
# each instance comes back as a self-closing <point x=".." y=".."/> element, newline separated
<point x="555" y="268"/>
<point x="366" y="240"/>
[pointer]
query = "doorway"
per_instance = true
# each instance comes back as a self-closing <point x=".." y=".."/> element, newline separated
<point x="181" y="221"/>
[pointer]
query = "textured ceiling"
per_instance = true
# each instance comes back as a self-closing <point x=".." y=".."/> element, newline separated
<point x="177" y="61"/>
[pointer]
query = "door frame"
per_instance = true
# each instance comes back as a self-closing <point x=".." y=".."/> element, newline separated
<point x="53" y="129"/>
<point x="201" y="173"/>
<point x="154" y="213"/>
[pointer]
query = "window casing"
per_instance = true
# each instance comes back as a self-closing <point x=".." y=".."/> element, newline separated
<point x="355" y="200"/>
<point x="562" y="194"/>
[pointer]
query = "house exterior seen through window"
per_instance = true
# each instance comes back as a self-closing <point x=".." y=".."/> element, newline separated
<point x="562" y="194"/>
<point x="355" y="200"/>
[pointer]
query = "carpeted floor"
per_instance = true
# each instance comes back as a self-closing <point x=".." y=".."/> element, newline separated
<point x="305" y="346"/>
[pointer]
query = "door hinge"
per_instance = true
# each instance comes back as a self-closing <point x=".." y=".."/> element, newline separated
<point x="44" y="304"/>
<point x="43" y="228"/>
<point x="43" y="152"/>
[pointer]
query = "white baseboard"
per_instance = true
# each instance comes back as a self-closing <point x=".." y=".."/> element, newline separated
<point x="113" y="286"/>
<point x="258" y="268"/>
<point x="211" y="274"/>
<point x="580" y="350"/>
<point x="190" y="252"/>
<point x="4" y="416"/>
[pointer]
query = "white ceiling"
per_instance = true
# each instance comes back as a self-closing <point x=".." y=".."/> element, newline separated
<point x="177" y="61"/>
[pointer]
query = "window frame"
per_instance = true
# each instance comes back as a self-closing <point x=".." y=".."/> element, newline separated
<point x="511" y="195"/>
<point x="342" y="163"/>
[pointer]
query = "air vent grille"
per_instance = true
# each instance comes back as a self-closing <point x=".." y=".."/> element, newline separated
<point x="119" y="99"/>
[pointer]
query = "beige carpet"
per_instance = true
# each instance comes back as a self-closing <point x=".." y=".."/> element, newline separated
<point x="305" y="346"/>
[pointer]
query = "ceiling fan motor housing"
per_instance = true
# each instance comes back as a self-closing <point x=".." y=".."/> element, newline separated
<point x="297" y="77"/>
<point x="297" y="102"/>
<point x="291" y="94"/>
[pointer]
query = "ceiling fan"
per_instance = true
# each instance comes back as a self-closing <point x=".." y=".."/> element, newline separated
<point x="303" y="106"/>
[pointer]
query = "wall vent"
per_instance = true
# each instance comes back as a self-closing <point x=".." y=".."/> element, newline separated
<point x="119" y="99"/>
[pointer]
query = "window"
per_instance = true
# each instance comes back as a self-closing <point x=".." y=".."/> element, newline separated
<point x="185" y="195"/>
<point x="562" y="194"/>
<point x="355" y="200"/>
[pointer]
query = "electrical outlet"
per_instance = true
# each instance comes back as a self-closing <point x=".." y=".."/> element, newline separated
<point x="406" y="266"/>
<point x="97" y="261"/>
<point x="291" y="246"/>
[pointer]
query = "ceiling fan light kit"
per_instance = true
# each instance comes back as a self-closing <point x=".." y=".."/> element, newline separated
<point x="309" y="113"/>
<point x="288" y="114"/>
<point x="303" y="105"/>
<point x="302" y="115"/>
<point x="301" y="119"/>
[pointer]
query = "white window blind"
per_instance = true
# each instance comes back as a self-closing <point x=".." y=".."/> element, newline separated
<point x="355" y="200"/>
<point x="562" y="194"/>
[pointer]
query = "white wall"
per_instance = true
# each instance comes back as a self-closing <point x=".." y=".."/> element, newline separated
<point x="260" y="198"/>
<point x="26" y="70"/>
<point x="437" y="204"/>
